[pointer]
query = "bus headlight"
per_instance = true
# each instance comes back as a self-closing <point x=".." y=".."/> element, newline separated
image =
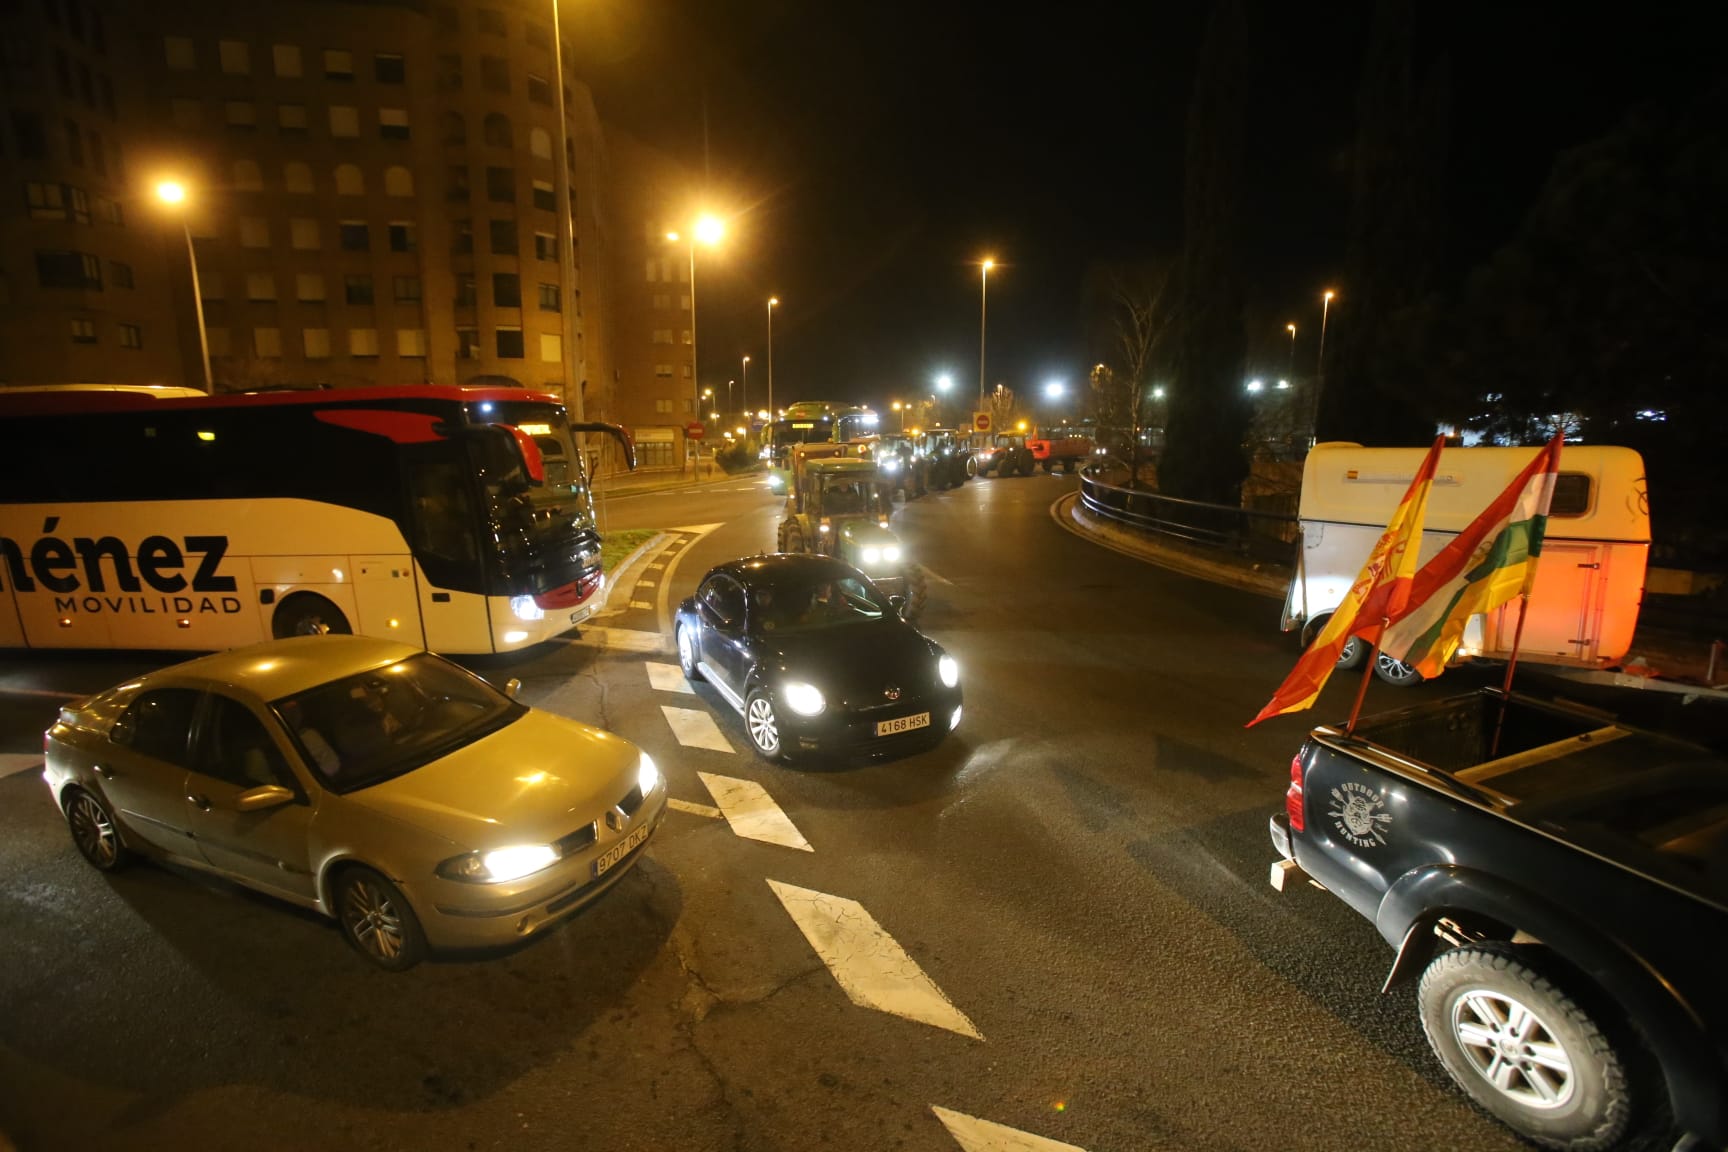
<point x="524" y="608"/>
<point x="803" y="698"/>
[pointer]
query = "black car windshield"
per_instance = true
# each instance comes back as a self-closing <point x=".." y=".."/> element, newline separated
<point x="809" y="603"/>
<point x="379" y="724"/>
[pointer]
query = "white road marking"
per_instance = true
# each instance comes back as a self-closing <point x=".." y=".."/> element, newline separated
<point x="752" y="812"/>
<point x="626" y="639"/>
<point x="698" y="529"/>
<point x="695" y="728"/>
<point x="668" y="678"/>
<point x="655" y="567"/>
<point x="642" y="604"/>
<point x="12" y="763"/>
<point x="976" y="1135"/>
<point x="644" y="582"/>
<point x="694" y="809"/>
<point x="695" y="532"/>
<point x="872" y="969"/>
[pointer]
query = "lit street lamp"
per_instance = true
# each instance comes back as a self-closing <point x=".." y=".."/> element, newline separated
<point x="1320" y="364"/>
<point x="772" y="302"/>
<point x="743" y="395"/>
<point x="708" y="230"/>
<point x="1291" y="328"/>
<point x="983" y="295"/>
<point x="173" y="194"/>
<point x="901" y="408"/>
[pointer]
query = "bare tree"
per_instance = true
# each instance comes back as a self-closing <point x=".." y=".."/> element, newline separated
<point x="1140" y="304"/>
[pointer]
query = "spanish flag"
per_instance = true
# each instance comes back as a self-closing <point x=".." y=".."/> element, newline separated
<point x="1483" y="567"/>
<point x="1380" y="593"/>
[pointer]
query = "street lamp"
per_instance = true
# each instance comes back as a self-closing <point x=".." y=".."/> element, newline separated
<point x="773" y="302"/>
<point x="709" y="231"/>
<point x="173" y="194"/>
<point x="744" y="395"/>
<point x="901" y="408"/>
<point x="729" y="384"/>
<point x="1291" y="328"/>
<point x="983" y="295"/>
<point x="1320" y="363"/>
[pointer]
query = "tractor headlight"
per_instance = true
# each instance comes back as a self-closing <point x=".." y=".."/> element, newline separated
<point x="872" y="555"/>
<point x="890" y="465"/>
<point x="949" y="669"/>
<point x="891" y="554"/>
<point x="803" y="698"/>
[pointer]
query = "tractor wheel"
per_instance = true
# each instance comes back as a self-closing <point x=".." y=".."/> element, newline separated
<point x="917" y="591"/>
<point x="794" y="539"/>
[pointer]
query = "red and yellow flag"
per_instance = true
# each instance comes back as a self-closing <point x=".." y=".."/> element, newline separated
<point x="1381" y="591"/>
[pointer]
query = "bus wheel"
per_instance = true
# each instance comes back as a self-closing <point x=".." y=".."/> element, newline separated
<point x="306" y="614"/>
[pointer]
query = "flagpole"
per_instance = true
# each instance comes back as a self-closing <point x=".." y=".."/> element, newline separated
<point x="1367" y="671"/>
<point x="1506" y="685"/>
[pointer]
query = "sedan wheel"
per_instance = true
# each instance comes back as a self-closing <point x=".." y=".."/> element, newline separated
<point x="377" y="920"/>
<point x="94" y="833"/>
<point x="687" y="655"/>
<point x="764" y="726"/>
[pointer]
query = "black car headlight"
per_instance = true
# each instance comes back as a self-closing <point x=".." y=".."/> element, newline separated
<point x="949" y="669"/>
<point x="804" y="699"/>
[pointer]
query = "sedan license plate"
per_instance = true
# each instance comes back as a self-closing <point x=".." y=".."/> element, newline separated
<point x="903" y="724"/>
<point x="620" y="850"/>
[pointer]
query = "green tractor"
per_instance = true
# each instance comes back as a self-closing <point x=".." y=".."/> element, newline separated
<point x="839" y="507"/>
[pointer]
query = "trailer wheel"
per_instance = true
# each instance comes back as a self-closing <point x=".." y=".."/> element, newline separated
<point x="308" y="614"/>
<point x="1524" y="1049"/>
<point x="1355" y="650"/>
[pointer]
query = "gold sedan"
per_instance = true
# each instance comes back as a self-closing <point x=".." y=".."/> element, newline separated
<point x="368" y="780"/>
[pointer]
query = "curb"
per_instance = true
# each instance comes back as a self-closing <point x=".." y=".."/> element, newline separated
<point x="624" y="565"/>
<point x="1068" y="512"/>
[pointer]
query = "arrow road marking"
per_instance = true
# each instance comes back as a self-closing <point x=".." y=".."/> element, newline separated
<point x="12" y="763"/>
<point x="668" y="678"/>
<point x="695" y="728"/>
<point x="976" y="1135"/>
<point x="872" y="969"/>
<point x="753" y="813"/>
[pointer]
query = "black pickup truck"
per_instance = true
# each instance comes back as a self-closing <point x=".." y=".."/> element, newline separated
<point x="1559" y="882"/>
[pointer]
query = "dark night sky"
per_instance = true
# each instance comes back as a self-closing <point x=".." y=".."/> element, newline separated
<point x="869" y="155"/>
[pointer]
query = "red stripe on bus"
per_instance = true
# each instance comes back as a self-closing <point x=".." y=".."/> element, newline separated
<point x="402" y="427"/>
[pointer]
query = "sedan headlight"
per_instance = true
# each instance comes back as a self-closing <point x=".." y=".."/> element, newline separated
<point x="803" y="698"/>
<point x="647" y="774"/>
<point x="500" y="865"/>
<point x="949" y="669"/>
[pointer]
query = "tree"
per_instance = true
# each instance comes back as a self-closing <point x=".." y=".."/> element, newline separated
<point x="1135" y="314"/>
<point x="1209" y="415"/>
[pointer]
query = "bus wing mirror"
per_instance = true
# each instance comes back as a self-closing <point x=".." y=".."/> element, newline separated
<point x="533" y="463"/>
<point x="618" y="433"/>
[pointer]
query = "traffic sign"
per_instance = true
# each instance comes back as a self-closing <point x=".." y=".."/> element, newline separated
<point x="980" y="421"/>
<point x="694" y="430"/>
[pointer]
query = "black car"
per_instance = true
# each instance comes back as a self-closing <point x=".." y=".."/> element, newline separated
<point x="815" y="657"/>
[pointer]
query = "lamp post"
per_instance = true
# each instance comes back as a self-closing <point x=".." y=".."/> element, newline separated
<point x="173" y="193"/>
<point x="1320" y="362"/>
<point x="983" y="297"/>
<point x="729" y="408"/>
<point x="708" y="230"/>
<point x="773" y="301"/>
<point x="1291" y="328"/>
<point x="901" y="408"/>
<point x="744" y="394"/>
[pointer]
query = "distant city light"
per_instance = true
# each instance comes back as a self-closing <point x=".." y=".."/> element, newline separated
<point x="944" y="382"/>
<point x="1053" y="389"/>
<point x="1283" y="384"/>
<point x="1158" y="392"/>
<point x="1655" y="415"/>
<point x="1255" y="385"/>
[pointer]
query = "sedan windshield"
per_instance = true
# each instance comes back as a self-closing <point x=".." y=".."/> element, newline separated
<point x="795" y="604"/>
<point x="381" y="723"/>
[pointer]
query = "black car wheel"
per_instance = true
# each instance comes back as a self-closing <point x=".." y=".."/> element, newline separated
<point x="376" y="919"/>
<point x="1524" y="1049"/>
<point x="93" y="831"/>
<point x="687" y="654"/>
<point x="763" y="725"/>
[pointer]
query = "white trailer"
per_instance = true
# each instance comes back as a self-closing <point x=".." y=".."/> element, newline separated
<point x="1590" y="580"/>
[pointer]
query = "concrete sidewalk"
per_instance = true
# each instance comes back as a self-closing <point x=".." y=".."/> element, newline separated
<point x="657" y="479"/>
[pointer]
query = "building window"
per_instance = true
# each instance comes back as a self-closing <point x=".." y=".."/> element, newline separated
<point x="492" y="21"/>
<point x="291" y="118"/>
<point x="344" y="120"/>
<point x="389" y="68"/>
<point x="509" y="342"/>
<point x="467" y="343"/>
<point x="465" y="297"/>
<point x="248" y="176"/>
<point x="350" y="181"/>
<point x="287" y="58"/>
<point x="393" y="123"/>
<point x="494" y="74"/>
<point x="80" y="205"/>
<point x="402" y="236"/>
<point x="663" y="406"/>
<point x="131" y="336"/>
<point x="503" y="237"/>
<point x="662" y="372"/>
<point x="260" y="286"/>
<point x="242" y="115"/>
<point x="411" y="342"/>
<point x="540" y="143"/>
<point x="236" y="57"/>
<point x="450" y="72"/>
<point x="83" y="331"/>
<point x="407" y="289"/>
<point x="121" y="274"/>
<point x="549" y="298"/>
<point x="338" y="65"/>
<point x="357" y="288"/>
<point x="254" y="232"/>
<point x="316" y="342"/>
<point x="501" y="185"/>
<point x="496" y="130"/>
<point x="684" y="337"/>
<point x="109" y="212"/>
<point x="545" y="246"/>
<point x="297" y="176"/>
<point x="456" y="182"/>
<point x="653" y="267"/>
<point x="46" y="201"/>
<point x="362" y="341"/>
<point x="105" y="89"/>
<point x="356" y="237"/>
<point x="455" y="129"/>
<point x="27" y="131"/>
<point x="181" y="57"/>
<point x="461" y="237"/>
<point x="309" y="287"/>
<point x="506" y="290"/>
<point x="267" y="343"/>
<point x="304" y="234"/>
<point x="74" y="143"/>
<point x="543" y="197"/>
<point x="539" y="89"/>
<point x="398" y="181"/>
<point x="662" y="336"/>
<point x="551" y="348"/>
<point x="86" y="90"/>
<point x="63" y="73"/>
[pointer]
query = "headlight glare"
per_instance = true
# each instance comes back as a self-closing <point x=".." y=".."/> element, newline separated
<point x="891" y="554"/>
<point x="524" y="608"/>
<point x="803" y="698"/>
<point x="647" y="774"/>
<point x="872" y="555"/>
<point x="949" y="669"/>
<point x="499" y="865"/>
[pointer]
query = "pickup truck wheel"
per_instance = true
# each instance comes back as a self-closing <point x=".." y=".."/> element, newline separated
<point x="1525" y="1050"/>
<point x="1355" y="649"/>
<point x="1394" y="672"/>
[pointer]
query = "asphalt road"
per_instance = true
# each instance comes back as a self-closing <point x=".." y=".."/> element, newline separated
<point x="1057" y="922"/>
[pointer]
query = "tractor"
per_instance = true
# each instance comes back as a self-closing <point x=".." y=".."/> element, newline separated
<point x="1006" y="455"/>
<point x="839" y="507"/>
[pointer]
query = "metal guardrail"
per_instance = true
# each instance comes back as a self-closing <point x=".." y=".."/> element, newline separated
<point x="1267" y="537"/>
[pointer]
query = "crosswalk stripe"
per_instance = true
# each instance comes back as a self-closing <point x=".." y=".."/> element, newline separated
<point x="641" y="604"/>
<point x="975" y="1135"/>
<point x="869" y="965"/>
<point x="668" y="678"/>
<point x="11" y="763"/>
<point x="752" y="812"/>
<point x="695" y="728"/>
<point x="707" y="810"/>
<point x="644" y="582"/>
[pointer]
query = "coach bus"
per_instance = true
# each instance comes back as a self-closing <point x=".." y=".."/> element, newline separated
<point x="811" y="422"/>
<point x="456" y="518"/>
